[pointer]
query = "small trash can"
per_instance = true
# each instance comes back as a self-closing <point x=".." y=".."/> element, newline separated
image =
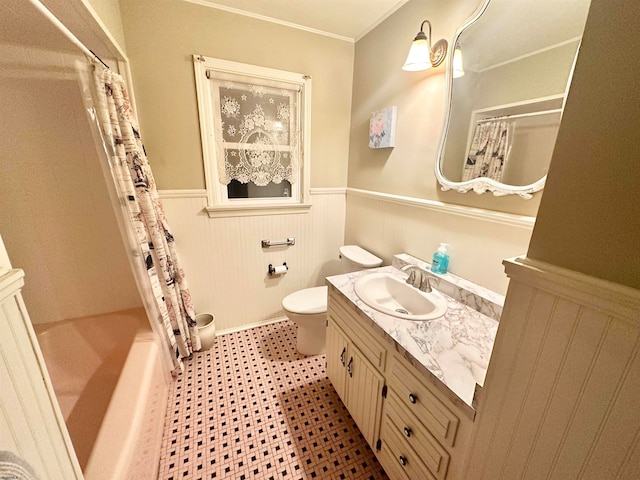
<point x="206" y="324"/>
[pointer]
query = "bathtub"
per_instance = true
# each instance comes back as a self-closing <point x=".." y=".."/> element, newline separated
<point x="108" y="378"/>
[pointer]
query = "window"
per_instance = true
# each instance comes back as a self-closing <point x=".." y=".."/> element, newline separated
<point x="254" y="125"/>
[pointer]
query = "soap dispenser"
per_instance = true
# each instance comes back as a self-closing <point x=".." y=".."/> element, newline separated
<point x="440" y="262"/>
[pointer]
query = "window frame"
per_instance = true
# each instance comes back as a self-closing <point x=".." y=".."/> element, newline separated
<point x="218" y="203"/>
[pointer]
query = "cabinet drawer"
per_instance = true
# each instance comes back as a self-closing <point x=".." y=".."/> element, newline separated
<point x="416" y="397"/>
<point x="414" y="434"/>
<point x="397" y="458"/>
<point x="354" y="327"/>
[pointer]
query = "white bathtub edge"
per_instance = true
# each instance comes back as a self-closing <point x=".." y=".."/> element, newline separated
<point x="139" y="404"/>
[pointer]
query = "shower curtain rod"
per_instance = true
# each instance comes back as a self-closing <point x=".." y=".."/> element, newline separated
<point x="99" y="59"/>
<point x="520" y="115"/>
<point x="65" y="31"/>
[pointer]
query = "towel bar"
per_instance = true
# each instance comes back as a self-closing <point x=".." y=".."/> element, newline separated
<point x="269" y="243"/>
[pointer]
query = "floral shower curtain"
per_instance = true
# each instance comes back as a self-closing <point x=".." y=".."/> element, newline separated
<point x="488" y="152"/>
<point x="136" y="186"/>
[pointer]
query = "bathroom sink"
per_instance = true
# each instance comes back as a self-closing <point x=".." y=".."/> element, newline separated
<point x="390" y="294"/>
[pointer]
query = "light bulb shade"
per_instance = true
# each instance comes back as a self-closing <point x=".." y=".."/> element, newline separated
<point x="458" y="70"/>
<point x="419" y="57"/>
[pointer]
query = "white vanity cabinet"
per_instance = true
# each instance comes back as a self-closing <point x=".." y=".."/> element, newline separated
<point x="355" y="365"/>
<point x="415" y="430"/>
<point x="423" y="434"/>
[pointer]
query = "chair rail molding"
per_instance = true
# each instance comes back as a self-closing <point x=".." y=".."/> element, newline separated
<point x="202" y="193"/>
<point x="469" y="212"/>
<point x="186" y="193"/>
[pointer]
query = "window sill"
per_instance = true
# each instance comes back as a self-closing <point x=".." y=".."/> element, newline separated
<point x="225" y="211"/>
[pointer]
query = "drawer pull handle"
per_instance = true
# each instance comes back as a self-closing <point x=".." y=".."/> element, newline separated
<point x="403" y="460"/>
<point x="407" y="431"/>
<point x="413" y="398"/>
<point x="344" y="350"/>
<point x="349" y="367"/>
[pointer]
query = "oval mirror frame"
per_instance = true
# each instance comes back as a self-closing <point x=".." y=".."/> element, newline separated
<point x="481" y="184"/>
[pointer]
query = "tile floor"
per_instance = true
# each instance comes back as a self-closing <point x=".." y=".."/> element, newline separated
<point x="254" y="408"/>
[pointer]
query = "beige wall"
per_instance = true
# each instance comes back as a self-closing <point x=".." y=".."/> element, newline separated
<point x="408" y="169"/>
<point x="478" y="245"/>
<point x="589" y="219"/>
<point x="224" y="268"/>
<point x="162" y="35"/>
<point x="109" y="13"/>
<point x="531" y="77"/>
<point x="56" y="218"/>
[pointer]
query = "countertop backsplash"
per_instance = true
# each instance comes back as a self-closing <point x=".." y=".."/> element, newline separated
<point x="475" y="296"/>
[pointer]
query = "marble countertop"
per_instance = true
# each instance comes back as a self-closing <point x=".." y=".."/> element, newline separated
<point x="455" y="348"/>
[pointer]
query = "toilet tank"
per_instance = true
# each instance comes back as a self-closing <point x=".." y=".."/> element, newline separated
<point x="357" y="258"/>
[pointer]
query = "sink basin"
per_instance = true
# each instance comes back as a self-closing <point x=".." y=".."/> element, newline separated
<point x="390" y="294"/>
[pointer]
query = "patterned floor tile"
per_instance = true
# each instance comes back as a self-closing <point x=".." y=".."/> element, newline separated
<point x="254" y="408"/>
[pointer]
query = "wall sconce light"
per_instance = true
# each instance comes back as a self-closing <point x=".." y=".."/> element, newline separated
<point x="458" y="69"/>
<point x="422" y="55"/>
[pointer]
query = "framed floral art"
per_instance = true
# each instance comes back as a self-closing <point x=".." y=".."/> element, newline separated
<point x="382" y="128"/>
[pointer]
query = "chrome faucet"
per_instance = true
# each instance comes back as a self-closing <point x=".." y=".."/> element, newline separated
<point x="415" y="275"/>
<point x="419" y="278"/>
<point x="425" y="284"/>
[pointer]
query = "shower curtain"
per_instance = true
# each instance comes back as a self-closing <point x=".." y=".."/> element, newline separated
<point x="136" y="187"/>
<point x="488" y="151"/>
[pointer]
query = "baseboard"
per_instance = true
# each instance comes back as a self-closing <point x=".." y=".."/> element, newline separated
<point x="249" y="326"/>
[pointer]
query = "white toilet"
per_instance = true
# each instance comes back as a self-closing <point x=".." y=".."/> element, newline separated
<point x="308" y="308"/>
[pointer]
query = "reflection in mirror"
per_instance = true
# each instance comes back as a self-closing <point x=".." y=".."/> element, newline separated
<point x="507" y="95"/>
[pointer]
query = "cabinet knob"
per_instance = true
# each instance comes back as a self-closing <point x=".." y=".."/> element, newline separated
<point x="349" y="367"/>
<point x="403" y="460"/>
<point x="413" y="398"/>
<point x="344" y="350"/>
<point x="407" y="431"/>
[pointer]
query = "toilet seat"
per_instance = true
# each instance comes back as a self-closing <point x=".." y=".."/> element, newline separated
<point x="308" y="301"/>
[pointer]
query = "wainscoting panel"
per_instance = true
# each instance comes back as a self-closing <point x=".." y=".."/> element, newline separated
<point x="31" y="424"/>
<point x="479" y="239"/>
<point x="561" y="396"/>
<point x="226" y="265"/>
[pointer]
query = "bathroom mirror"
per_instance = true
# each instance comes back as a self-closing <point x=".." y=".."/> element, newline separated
<point x="516" y="58"/>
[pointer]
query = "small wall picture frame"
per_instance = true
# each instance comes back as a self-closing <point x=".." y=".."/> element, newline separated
<point x="382" y="128"/>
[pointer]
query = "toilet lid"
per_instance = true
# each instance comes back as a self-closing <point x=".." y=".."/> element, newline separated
<point x="307" y="301"/>
<point x="360" y="256"/>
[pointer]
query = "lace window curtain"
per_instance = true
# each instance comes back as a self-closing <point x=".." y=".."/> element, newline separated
<point x="489" y="151"/>
<point x="257" y="129"/>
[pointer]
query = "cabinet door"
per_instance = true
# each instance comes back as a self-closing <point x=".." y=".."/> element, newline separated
<point x="364" y="394"/>
<point x="336" y="354"/>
